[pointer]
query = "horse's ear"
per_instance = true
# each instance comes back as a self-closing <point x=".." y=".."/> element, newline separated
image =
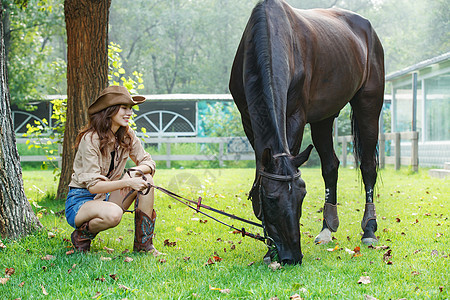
<point x="302" y="157"/>
<point x="266" y="157"/>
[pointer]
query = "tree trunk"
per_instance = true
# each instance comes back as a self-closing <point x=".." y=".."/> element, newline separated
<point x="16" y="216"/>
<point x="87" y="71"/>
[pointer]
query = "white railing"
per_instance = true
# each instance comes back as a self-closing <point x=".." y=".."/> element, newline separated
<point x="396" y="159"/>
<point x="230" y="149"/>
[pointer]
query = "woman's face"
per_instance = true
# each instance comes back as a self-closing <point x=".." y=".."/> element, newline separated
<point x="121" y="118"/>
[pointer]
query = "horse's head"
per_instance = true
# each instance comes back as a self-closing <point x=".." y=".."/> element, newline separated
<point x="277" y="199"/>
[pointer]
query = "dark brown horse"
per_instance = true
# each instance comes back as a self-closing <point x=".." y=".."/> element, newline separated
<point x="294" y="67"/>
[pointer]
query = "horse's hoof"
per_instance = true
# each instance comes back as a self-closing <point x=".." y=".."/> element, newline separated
<point x="324" y="237"/>
<point x="369" y="241"/>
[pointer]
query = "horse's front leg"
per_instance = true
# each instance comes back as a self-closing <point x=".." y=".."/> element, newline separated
<point x="323" y="141"/>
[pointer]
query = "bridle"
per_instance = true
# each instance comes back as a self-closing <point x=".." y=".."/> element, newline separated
<point x="257" y="185"/>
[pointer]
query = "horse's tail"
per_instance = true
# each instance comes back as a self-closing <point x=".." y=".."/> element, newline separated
<point x="357" y="145"/>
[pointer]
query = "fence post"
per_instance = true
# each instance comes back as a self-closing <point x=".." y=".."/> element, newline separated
<point x="381" y="150"/>
<point x="168" y="161"/>
<point x="397" y="151"/>
<point x="221" y="154"/>
<point x="344" y="151"/>
<point x="415" y="151"/>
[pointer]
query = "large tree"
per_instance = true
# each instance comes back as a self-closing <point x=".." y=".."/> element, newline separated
<point x="16" y="216"/>
<point x="87" y="71"/>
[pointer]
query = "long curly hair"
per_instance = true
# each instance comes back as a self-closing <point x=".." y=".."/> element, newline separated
<point x="100" y="123"/>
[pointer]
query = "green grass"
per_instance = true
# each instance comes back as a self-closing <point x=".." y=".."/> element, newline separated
<point x="419" y="243"/>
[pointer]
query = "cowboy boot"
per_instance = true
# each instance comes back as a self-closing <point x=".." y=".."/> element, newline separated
<point x="143" y="232"/>
<point x="81" y="238"/>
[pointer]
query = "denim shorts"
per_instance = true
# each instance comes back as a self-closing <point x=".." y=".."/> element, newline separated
<point x="75" y="199"/>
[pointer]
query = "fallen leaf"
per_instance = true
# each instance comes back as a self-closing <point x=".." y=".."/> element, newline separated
<point x="114" y="276"/>
<point x="3" y="280"/>
<point x="417" y="251"/>
<point x="179" y="229"/>
<point x="438" y="235"/>
<point x="125" y="251"/>
<point x="333" y="249"/>
<point x="98" y="294"/>
<point x="213" y="288"/>
<point x="9" y="272"/>
<point x="108" y="250"/>
<point x="101" y="279"/>
<point x="203" y="221"/>
<point x="274" y="266"/>
<point x="22" y="284"/>
<point x="119" y="239"/>
<point x="388" y="255"/>
<point x="48" y="257"/>
<point x="128" y="259"/>
<point x="121" y="286"/>
<point x="274" y="298"/>
<point x="2" y="245"/>
<point x="397" y="220"/>
<point x="415" y="273"/>
<point x="351" y="252"/>
<point x="357" y="251"/>
<point x="44" y="291"/>
<point x="169" y="244"/>
<point x="217" y="258"/>
<point x="186" y="258"/>
<point x="378" y="247"/>
<point x="251" y="263"/>
<point x="209" y="262"/>
<point x="73" y="267"/>
<point x="368" y="297"/>
<point x="233" y="247"/>
<point x="102" y="258"/>
<point x="364" y="280"/>
<point x="225" y="291"/>
<point x="50" y="235"/>
<point x="162" y="260"/>
<point x="70" y="252"/>
<point x="296" y="297"/>
<point x="441" y="288"/>
<point x="434" y="253"/>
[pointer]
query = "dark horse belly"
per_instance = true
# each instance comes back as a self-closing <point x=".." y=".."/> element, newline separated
<point x="294" y="67"/>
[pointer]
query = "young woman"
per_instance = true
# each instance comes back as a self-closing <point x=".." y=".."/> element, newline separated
<point x="95" y="201"/>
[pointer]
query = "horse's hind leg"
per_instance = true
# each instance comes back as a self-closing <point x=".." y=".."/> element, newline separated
<point x="322" y="136"/>
<point x="366" y="109"/>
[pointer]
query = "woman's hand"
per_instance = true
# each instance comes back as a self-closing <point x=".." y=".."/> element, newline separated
<point x="137" y="183"/>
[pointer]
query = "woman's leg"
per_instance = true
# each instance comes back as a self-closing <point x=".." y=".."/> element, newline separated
<point x="101" y="215"/>
<point x="144" y="217"/>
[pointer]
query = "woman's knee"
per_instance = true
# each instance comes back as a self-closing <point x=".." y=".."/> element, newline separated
<point x="113" y="216"/>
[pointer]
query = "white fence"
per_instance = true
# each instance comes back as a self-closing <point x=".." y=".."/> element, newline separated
<point x="396" y="159"/>
<point x="230" y="149"/>
<point x="238" y="148"/>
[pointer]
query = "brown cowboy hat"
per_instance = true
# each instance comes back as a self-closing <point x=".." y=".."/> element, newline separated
<point x="114" y="95"/>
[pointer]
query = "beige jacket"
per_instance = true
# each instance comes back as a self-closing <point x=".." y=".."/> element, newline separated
<point x="90" y="166"/>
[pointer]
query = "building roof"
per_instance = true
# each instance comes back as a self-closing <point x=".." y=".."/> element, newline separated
<point x="418" y="66"/>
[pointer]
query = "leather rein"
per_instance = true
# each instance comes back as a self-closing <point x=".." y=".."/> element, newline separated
<point x="198" y="204"/>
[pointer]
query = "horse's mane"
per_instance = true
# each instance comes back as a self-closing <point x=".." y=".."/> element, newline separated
<point x="259" y="92"/>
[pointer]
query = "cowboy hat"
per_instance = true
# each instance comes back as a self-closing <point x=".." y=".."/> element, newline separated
<point x="114" y="95"/>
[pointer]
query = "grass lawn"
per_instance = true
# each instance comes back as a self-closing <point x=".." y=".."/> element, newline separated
<point x="413" y="221"/>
